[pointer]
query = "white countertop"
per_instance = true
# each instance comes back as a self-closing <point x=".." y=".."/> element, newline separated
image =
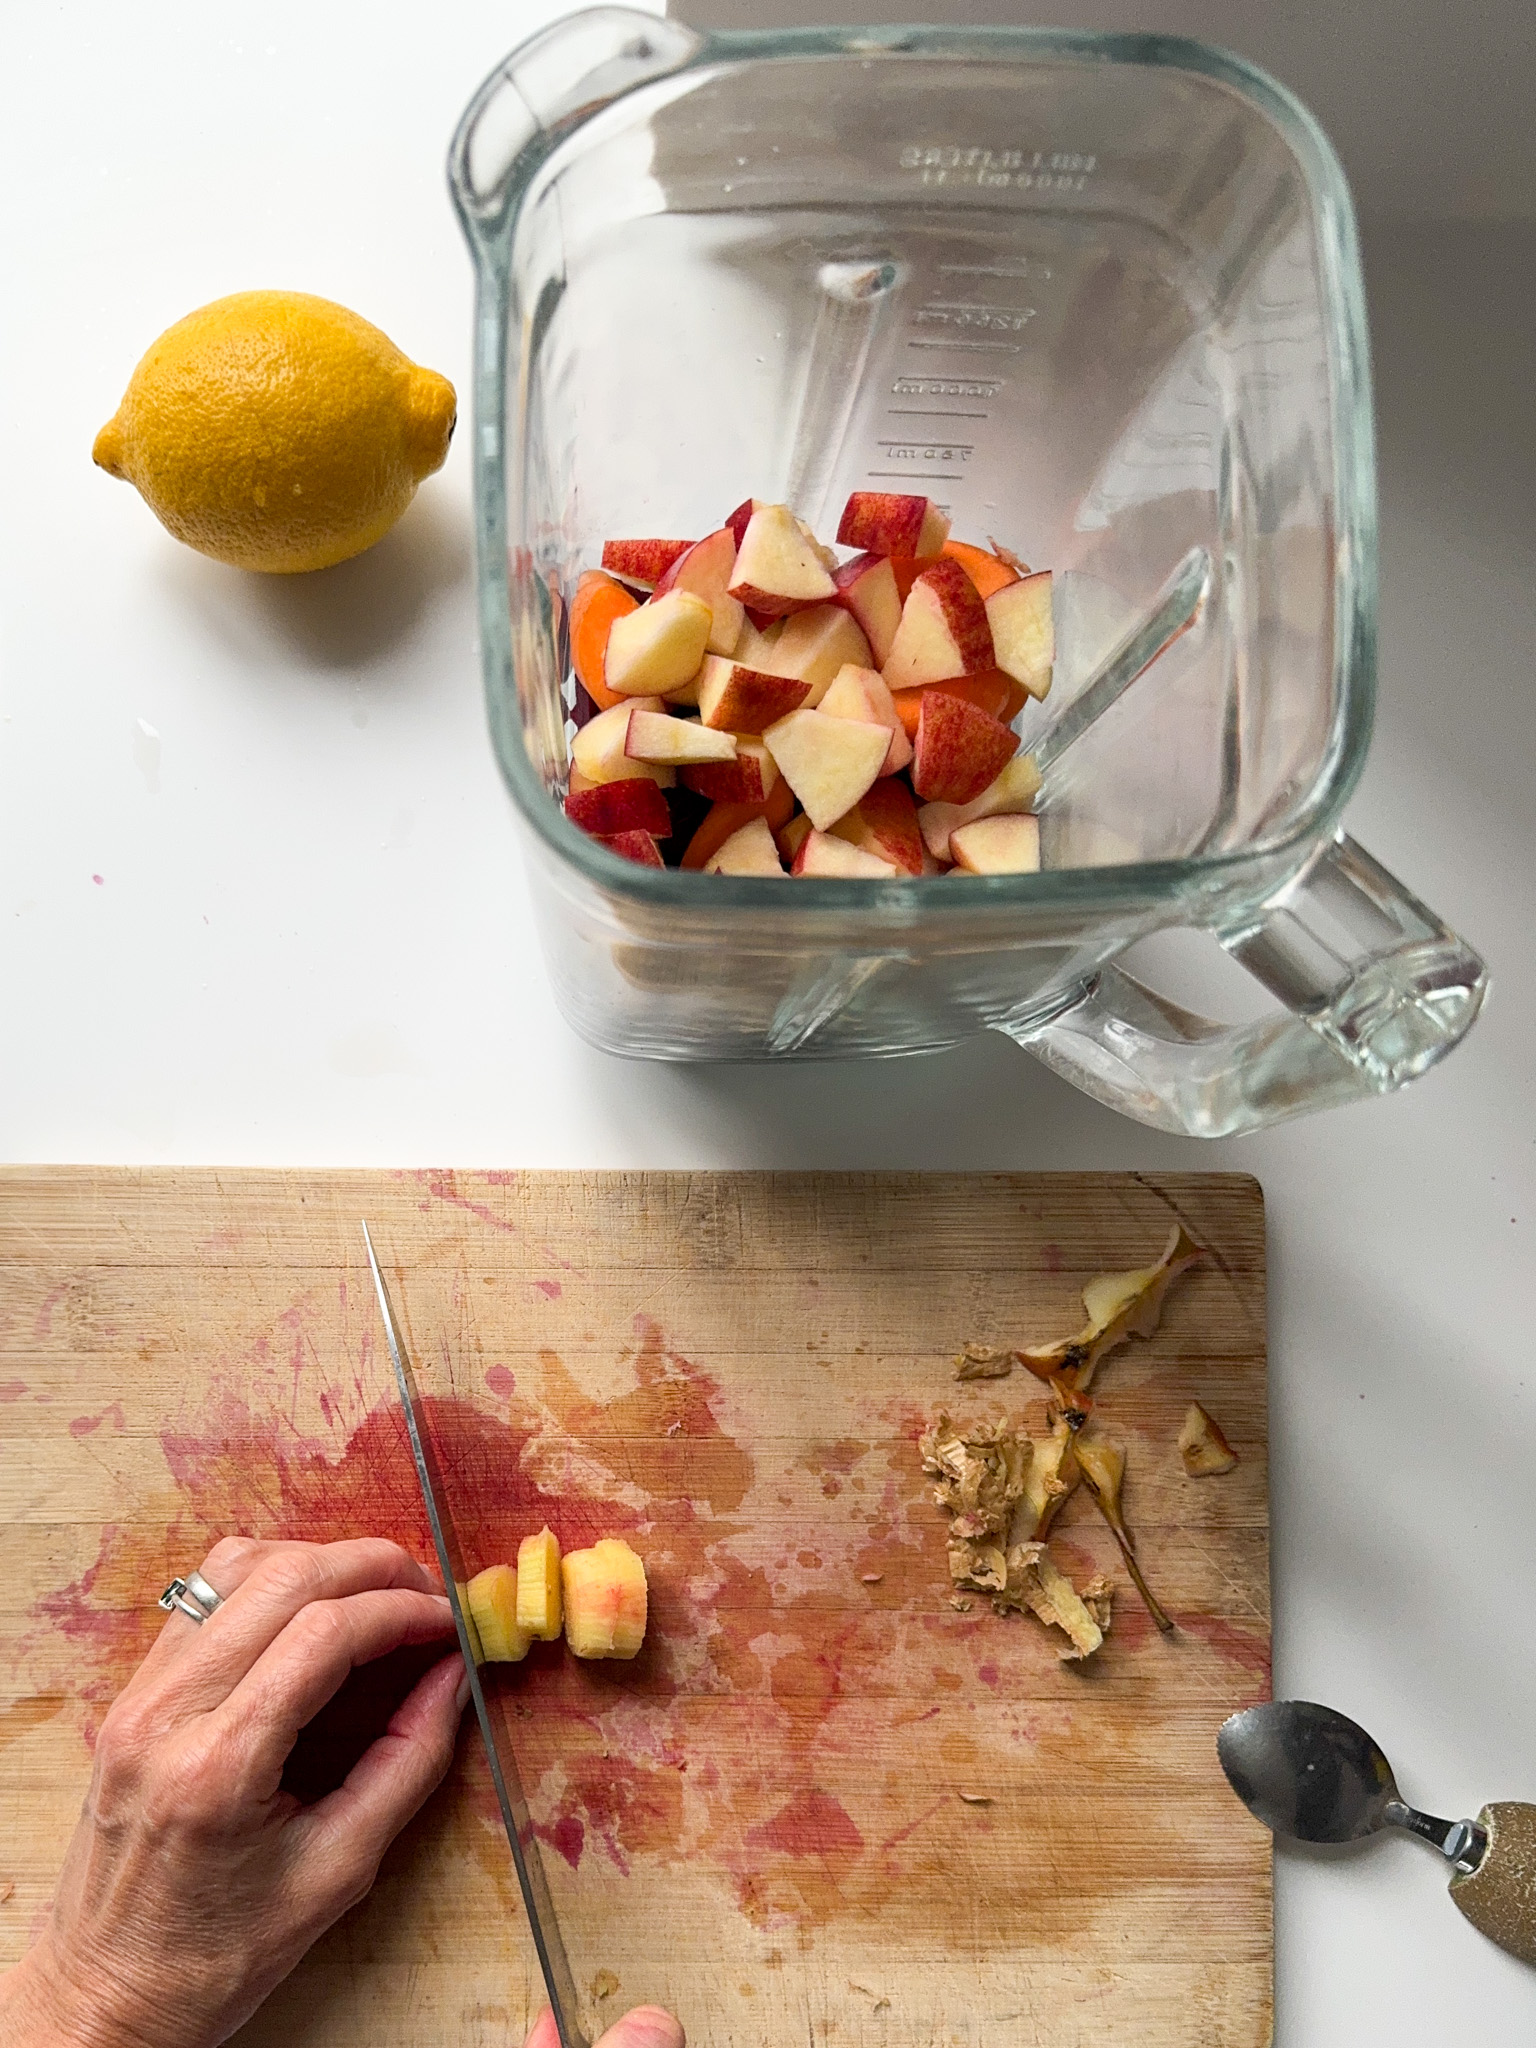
<point x="261" y="897"/>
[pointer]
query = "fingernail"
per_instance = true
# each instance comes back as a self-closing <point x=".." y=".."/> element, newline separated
<point x="461" y="1690"/>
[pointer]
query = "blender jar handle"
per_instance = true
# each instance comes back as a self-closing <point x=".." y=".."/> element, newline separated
<point x="1376" y="990"/>
<point x="570" y="69"/>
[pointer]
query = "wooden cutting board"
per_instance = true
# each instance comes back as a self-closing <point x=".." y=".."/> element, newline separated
<point x="761" y="1821"/>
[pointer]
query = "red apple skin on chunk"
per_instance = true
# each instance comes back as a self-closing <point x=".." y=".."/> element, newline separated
<point x="739" y="520"/>
<point x="745" y="780"/>
<point x="943" y="630"/>
<point x="884" y="822"/>
<point x="1023" y="632"/>
<point x="866" y="586"/>
<point x="635" y="846"/>
<point x="1005" y="844"/>
<point x="827" y="762"/>
<point x="746" y="700"/>
<point x="643" y="562"/>
<point x="825" y="854"/>
<point x="778" y="567"/>
<point x="706" y="569"/>
<point x="959" y="750"/>
<point x="892" y="523"/>
<point x="616" y="807"/>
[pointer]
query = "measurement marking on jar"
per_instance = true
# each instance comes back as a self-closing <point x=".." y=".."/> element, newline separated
<point x="930" y="476"/>
<point x="931" y="412"/>
<point x="1025" y="269"/>
<point x="993" y="348"/>
<point x="947" y="387"/>
<point x="926" y="451"/>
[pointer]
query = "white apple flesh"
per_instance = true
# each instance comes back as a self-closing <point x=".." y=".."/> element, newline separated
<point x="658" y="646"/>
<point x="827" y="762"/>
<point x="656" y="736"/>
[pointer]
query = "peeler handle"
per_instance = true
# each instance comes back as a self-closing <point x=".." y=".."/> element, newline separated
<point x="1499" y="1897"/>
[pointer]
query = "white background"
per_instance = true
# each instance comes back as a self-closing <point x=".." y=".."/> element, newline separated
<point x="309" y="941"/>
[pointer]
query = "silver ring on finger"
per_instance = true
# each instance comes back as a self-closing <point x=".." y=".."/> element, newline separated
<point x="191" y="1596"/>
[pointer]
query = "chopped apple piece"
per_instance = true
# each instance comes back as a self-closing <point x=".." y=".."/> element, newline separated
<point x="1015" y="789"/>
<point x="1202" y="1445"/>
<point x="636" y="846"/>
<point x="746" y="779"/>
<point x="642" y="562"/>
<point x="492" y="1598"/>
<point x="892" y="523"/>
<point x="658" y="646"/>
<point x="614" y="807"/>
<point x="943" y="631"/>
<point x="538" y="1585"/>
<point x="1023" y="634"/>
<point x="605" y="1600"/>
<point x="814" y="645"/>
<point x="960" y="751"/>
<point x="755" y="644"/>
<point x="748" y="851"/>
<point x="1034" y="1581"/>
<point x="827" y="762"/>
<point x="823" y="854"/>
<point x="884" y="822"/>
<point x="706" y="569"/>
<point x="863" y="693"/>
<point x="598" y="749"/>
<point x="653" y="736"/>
<point x="1119" y="1306"/>
<point x="746" y="700"/>
<point x="867" y="586"/>
<point x="778" y="569"/>
<point x="1102" y="1465"/>
<point x="1008" y="844"/>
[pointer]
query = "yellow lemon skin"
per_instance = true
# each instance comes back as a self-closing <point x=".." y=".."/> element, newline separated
<point x="278" y="431"/>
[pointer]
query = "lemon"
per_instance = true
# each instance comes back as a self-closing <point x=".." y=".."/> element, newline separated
<point x="278" y="431"/>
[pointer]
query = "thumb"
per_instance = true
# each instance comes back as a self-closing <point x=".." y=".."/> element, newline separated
<point x="646" y="2027"/>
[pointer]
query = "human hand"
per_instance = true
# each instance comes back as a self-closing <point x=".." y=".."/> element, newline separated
<point x="195" y="1881"/>
<point x="646" y="2027"/>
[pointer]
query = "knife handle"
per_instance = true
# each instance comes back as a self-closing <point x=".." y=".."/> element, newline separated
<point x="1499" y="1897"/>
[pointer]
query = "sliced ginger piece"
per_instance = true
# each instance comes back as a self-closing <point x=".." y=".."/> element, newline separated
<point x="492" y="1606"/>
<point x="1202" y="1445"/>
<point x="1119" y="1306"/>
<point x="538" y="1585"/>
<point x="476" y="1647"/>
<point x="606" y="1600"/>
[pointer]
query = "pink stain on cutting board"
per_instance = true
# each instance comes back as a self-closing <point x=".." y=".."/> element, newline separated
<point x="550" y="1289"/>
<point x="12" y="1390"/>
<point x="501" y="1382"/>
<point x="87" y="1425"/>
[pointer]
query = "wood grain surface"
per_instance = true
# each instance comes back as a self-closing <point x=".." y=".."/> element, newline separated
<point x="760" y="1821"/>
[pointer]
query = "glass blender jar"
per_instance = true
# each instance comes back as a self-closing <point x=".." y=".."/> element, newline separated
<point x="1099" y="296"/>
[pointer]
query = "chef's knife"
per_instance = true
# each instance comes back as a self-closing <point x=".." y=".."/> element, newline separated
<point x="493" y="1732"/>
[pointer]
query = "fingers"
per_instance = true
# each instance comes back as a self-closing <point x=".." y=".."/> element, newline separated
<point x="343" y="1836"/>
<point x="646" y="2027"/>
<point x="271" y="1587"/>
<point x="294" y="1677"/>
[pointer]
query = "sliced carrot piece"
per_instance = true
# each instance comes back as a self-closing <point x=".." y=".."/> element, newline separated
<point x="990" y="692"/>
<point x="722" y="819"/>
<point x="599" y="600"/>
<point x="985" y="570"/>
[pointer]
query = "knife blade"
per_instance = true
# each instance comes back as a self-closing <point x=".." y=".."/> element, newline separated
<point x="545" y="1928"/>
